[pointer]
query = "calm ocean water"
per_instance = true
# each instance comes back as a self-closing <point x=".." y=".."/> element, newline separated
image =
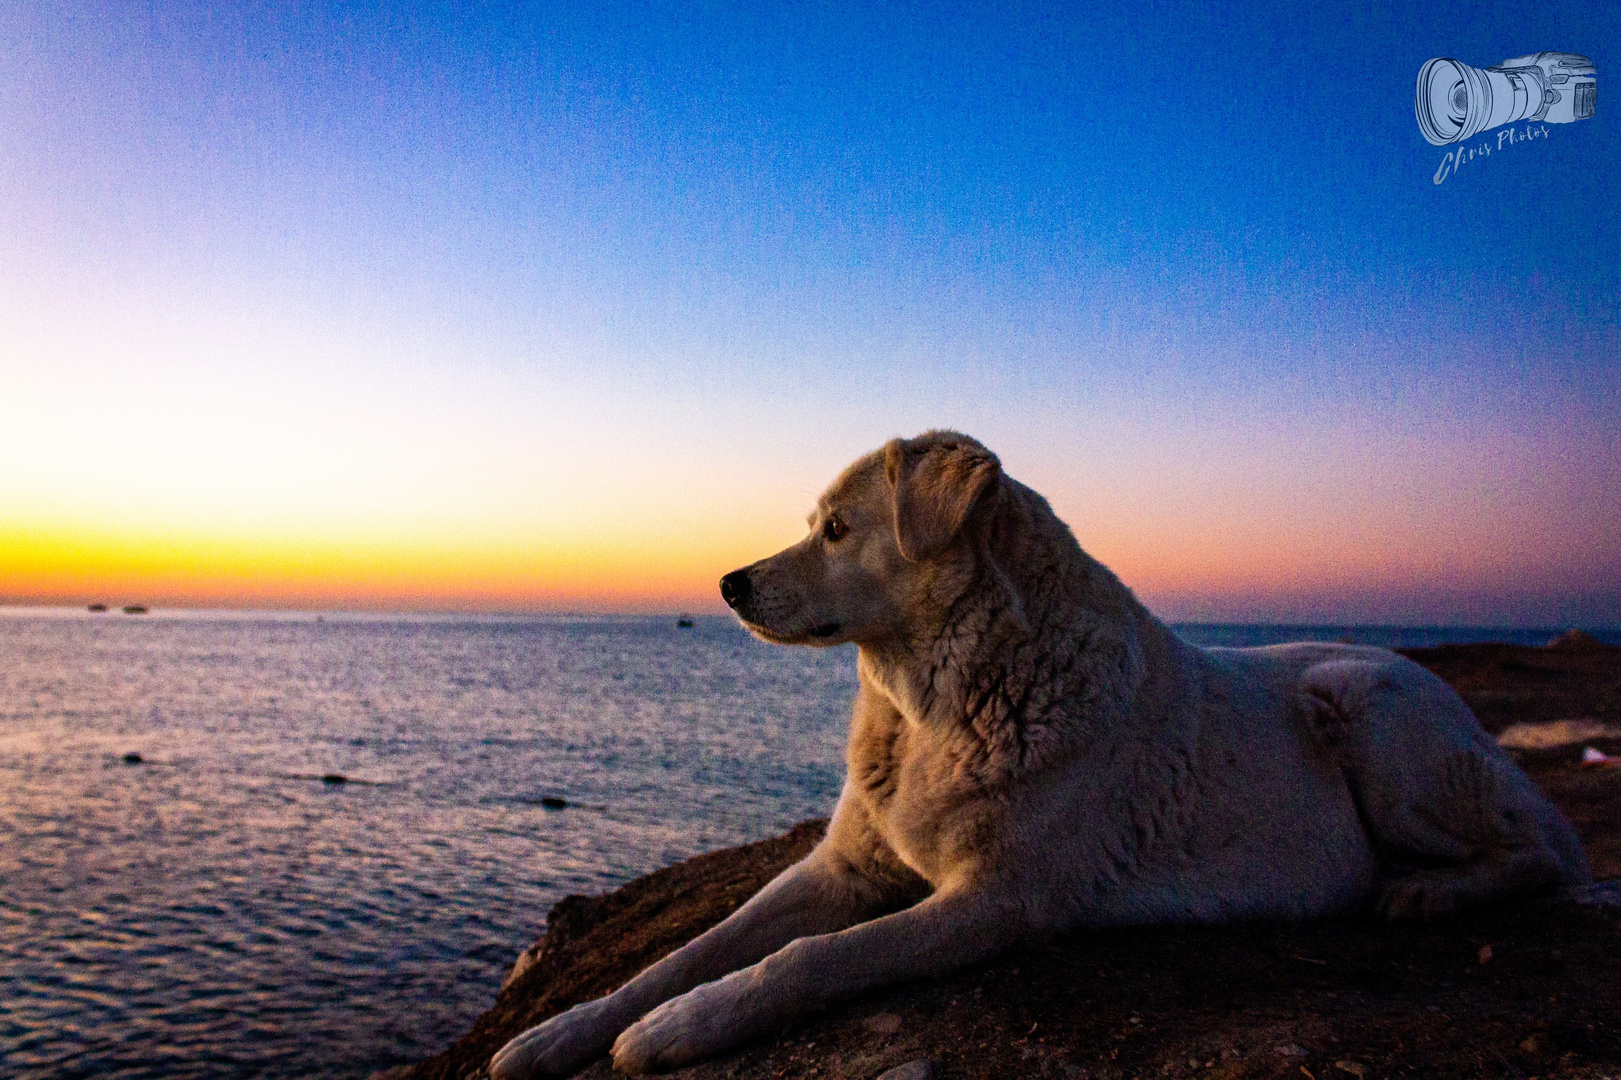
<point x="219" y="910"/>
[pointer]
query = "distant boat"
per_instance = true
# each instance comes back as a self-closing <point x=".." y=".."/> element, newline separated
<point x="98" y="607"/>
<point x="134" y="609"/>
<point x="684" y="622"/>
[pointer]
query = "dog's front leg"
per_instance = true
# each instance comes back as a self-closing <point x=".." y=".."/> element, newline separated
<point x="944" y="932"/>
<point x="821" y="893"/>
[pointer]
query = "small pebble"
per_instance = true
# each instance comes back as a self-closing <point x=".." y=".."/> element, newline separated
<point x="920" y="1069"/>
<point x="1291" y="1050"/>
<point x="1485" y="953"/>
<point x="882" y="1023"/>
<point x="1355" y="1068"/>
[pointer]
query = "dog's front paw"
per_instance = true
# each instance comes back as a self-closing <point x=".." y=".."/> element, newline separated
<point x="699" y="1023"/>
<point x="559" y="1046"/>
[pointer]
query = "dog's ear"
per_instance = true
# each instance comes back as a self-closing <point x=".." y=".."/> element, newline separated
<point x="937" y="482"/>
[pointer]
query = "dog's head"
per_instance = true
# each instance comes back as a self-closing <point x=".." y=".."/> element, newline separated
<point x="887" y="541"/>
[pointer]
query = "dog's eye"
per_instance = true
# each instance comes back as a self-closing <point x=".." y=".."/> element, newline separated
<point x="834" y="528"/>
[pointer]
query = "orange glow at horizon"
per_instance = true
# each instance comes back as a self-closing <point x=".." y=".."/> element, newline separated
<point x="1179" y="567"/>
<point x="199" y="570"/>
<point x="346" y="486"/>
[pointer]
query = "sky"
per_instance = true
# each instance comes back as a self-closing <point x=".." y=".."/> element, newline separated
<point x="482" y="307"/>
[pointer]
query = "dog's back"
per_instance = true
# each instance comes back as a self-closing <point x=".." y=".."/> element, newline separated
<point x="1299" y="780"/>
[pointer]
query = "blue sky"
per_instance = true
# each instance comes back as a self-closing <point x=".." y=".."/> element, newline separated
<point x="1185" y="269"/>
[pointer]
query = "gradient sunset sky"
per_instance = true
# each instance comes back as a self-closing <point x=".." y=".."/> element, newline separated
<point x="577" y="308"/>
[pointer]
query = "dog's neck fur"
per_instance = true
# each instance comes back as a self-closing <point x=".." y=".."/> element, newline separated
<point x="1028" y="644"/>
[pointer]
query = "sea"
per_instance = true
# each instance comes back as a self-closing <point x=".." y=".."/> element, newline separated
<point x="262" y="844"/>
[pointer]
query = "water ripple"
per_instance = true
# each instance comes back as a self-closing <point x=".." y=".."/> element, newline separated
<point x="218" y="910"/>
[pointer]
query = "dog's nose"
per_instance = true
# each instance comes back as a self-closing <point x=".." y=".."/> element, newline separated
<point x="735" y="588"/>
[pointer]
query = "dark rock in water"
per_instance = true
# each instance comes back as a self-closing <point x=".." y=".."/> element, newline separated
<point x="334" y="778"/>
<point x="98" y="607"/>
<point x="1576" y="641"/>
<point x="552" y="802"/>
<point x="132" y="758"/>
<point x="685" y="622"/>
<point x="134" y="609"/>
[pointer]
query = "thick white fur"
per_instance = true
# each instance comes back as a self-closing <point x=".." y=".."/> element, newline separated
<point x="1031" y="751"/>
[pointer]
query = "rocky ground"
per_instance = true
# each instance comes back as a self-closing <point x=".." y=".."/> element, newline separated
<point x="1531" y="988"/>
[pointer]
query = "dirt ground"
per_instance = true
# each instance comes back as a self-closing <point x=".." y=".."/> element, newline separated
<point x="1531" y="988"/>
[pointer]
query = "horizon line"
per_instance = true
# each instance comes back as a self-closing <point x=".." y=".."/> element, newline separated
<point x="10" y="607"/>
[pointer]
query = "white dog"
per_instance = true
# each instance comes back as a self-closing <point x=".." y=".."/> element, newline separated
<point x="1031" y="751"/>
